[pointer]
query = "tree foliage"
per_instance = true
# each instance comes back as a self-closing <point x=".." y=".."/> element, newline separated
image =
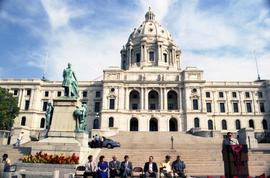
<point x="9" y="109"/>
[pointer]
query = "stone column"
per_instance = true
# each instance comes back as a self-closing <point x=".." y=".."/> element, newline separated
<point x="179" y="99"/>
<point x="165" y="99"/>
<point x="255" y="109"/>
<point x="161" y="99"/>
<point x="21" y="96"/>
<point x="228" y="104"/>
<point x="142" y="53"/>
<point x="142" y="99"/>
<point x="127" y="99"/>
<point x="129" y="57"/>
<point x="240" y="102"/>
<point x="146" y="98"/>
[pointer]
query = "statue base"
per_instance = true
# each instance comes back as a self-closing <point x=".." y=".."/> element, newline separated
<point x="62" y="137"/>
<point x="62" y="119"/>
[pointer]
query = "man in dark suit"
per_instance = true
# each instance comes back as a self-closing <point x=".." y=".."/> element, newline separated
<point x="126" y="167"/>
<point x="114" y="167"/>
<point x="150" y="168"/>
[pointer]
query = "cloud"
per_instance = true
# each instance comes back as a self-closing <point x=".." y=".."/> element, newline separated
<point x="160" y="7"/>
<point x="228" y="67"/>
<point x="216" y="37"/>
<point x="61" y="12"/>
<point x="89" y="50"/>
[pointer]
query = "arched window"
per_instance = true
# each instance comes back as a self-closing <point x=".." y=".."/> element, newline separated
<point x="237" y="124"/>
<point x="153" y="124"/>
<point x="265" y="126"/>
<point x="134" y="100"/>
<point x="224" y="124"/>
<point x="42" y="123"/>
<point x="196" y="122"/>
<point x="251" y="124"/>
<point x="23" y="121"/>
<point x="210" y="125"/>
<point x="134" y="126"/>
<point x="95" y="124"/>
<point x="153" y="100"/>
<point x="173" y="125"/>
<point x="172" y="100"/>
<point x="111" y="122"/>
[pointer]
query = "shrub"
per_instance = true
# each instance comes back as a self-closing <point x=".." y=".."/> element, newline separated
<point x="51" y="159"/>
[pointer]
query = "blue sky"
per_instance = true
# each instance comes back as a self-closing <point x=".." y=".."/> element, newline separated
<point x="219" y="37"/>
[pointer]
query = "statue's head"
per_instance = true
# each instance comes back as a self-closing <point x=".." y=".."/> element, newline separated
<point x="49" y="104"/>
<point x="69" y="65"/>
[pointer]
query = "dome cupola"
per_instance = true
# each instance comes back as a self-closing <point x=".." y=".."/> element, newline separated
<point x="150" y="46"/>
<point x="149" y="16"/>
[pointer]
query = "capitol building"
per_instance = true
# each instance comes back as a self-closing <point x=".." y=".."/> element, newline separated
<point x="150" y="91"/>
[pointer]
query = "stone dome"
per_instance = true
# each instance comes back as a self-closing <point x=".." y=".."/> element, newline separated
<point x="150" y="28"/>
<point x="150" y="47"/>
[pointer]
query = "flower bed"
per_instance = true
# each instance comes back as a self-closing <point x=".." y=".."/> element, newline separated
<point x="51" y="159"/>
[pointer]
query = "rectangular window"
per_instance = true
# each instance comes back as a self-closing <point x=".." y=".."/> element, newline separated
<point x="260" y="94"/>
<point x="84" y="94"/>
<point x="247" y="94"/>
<point x="165" y="57"/>
<point x="249" y="108"/>
<point x="46" y="94"/>
<point x="235" y="107"/>
<point x="15" y="92"/>
<point x="134" y="106"/>
<point x="28" y="92"/>
<point x="151" y="56"/>
<point x="112" y="102"/>
<point x="220" y="94"/>
<point x="262" y="109"/>
<point x="97" y="106"/>
<point x="27" y="104"/>
<point x="195" y="104"/>
<point x="234" y="95"/>
<point x="138" y="57"/>
<point x="207" y="94"/>
<point x="208" y="107"/>
<point x="222" y="107"/>
<point x="59" y="93"/>
<point x="44" y="107"/>
<point x="97" y="94"/>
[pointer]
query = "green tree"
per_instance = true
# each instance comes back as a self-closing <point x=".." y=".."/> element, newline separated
<point x="8" y="109"/>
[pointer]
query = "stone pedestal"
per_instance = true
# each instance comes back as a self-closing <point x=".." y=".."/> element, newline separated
<point x="247" y="137"/>
<point x="63" y="114"/>
<point x="62" y="137"/>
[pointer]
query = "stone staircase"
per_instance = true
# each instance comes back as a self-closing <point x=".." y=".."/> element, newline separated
<point x="202" y="155"/>
<point x="15" y="154"/>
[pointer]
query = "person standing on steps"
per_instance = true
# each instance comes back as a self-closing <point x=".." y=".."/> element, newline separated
<point x="6" y="161"/>
<point x="19" y="139"/>
<point x="230" y="140"/>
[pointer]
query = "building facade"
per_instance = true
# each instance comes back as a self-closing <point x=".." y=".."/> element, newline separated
<point x="150" y="92"/>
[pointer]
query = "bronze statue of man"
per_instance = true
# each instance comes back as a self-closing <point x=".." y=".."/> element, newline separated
<point x="70" y="82"/>
<point x="48" y="115"/>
